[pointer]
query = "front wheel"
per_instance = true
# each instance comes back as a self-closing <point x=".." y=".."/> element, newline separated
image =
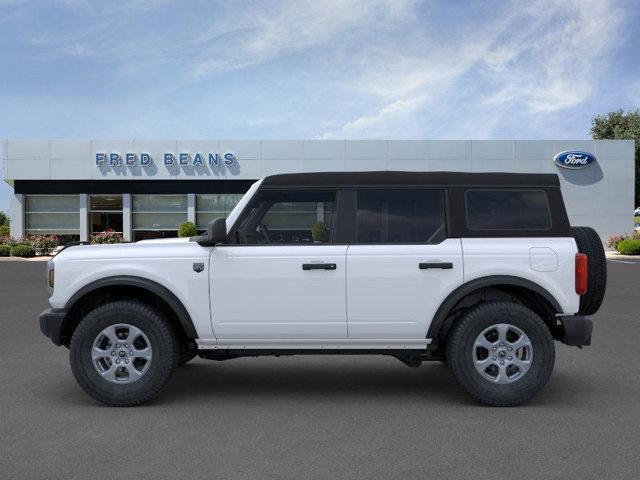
<point x="188" y="351"/>
<point x="123" y="353"/>
<point x="502" y="353"/>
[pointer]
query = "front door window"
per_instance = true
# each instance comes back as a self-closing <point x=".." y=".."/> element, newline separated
<point x="297" y="218"/>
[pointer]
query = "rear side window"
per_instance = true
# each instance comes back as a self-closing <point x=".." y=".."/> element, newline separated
<point x="491" y="209"/>
<point x="400" y="216"/>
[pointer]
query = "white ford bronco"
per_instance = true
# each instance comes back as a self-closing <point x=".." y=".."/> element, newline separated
<point x="480" y="271"/>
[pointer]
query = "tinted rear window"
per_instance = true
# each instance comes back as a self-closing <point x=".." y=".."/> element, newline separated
<point x="401" y="216"/>
<point x="491" y="209"/>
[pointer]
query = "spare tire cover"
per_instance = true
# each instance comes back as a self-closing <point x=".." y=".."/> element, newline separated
<point x="589" y="242"/>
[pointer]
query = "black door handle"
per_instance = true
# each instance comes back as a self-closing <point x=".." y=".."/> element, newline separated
<point x="443" y="265"/>
<point x="319" y="266"/>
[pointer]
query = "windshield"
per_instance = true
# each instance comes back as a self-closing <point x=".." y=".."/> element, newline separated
<point x="235" y="213"/>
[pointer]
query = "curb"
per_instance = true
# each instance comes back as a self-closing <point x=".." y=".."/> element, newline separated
<point x="18" y="259"/>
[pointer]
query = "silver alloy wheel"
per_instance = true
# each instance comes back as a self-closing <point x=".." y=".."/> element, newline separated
<point x="121" y="353"/>
<point x="502" y="353"/>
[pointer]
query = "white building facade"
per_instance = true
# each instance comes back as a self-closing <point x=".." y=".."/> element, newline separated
<point x="146" y="188"/>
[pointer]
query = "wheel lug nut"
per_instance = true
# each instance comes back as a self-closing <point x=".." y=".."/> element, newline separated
<point x="131" y="353"/>
<point x="502" y="344"/>
<point x="495" y="348"/>
<point x="510" y="357"/>
<point x="113" y="352"/>
<point x="501" y="362"/>
<point x="510" y="348"/>
<point x="494" y="357"/>
<point x="126" y="361"/>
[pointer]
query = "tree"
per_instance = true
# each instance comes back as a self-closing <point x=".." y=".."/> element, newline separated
<point x="620" y="125"/>
<point x="4" y="218"/>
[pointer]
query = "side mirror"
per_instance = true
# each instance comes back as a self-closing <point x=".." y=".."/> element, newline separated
<point x="216" y="233"/>
<point x="217" y="230"/>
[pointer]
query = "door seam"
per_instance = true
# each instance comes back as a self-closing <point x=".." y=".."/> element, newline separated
<point x="346" y="296"/>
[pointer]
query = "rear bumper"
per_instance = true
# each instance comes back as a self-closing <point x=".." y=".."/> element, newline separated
<point x="51" y="321"/>
<point x="576" y="330"/>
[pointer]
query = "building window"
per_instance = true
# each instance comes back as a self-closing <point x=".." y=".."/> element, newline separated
<point x="158" y="216"/>
<point x="106" y="213"/>
<point x="401" y="216"/>
<point x="212" y="206"/>
<point x="53" y="214"/>
<point x="507" y="210"/>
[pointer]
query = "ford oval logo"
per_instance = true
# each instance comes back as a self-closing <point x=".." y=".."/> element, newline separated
<point x="574" y="159"/>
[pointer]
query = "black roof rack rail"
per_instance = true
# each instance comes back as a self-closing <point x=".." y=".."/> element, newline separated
<point x="72" y="244"/>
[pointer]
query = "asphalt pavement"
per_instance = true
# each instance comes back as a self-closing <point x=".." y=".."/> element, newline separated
<point x="319" y="417"/>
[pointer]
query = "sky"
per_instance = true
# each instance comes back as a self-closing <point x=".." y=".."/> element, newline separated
<point x="287" y="69"/>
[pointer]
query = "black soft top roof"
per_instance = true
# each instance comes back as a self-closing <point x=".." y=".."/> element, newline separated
<point x="386" y="177"/>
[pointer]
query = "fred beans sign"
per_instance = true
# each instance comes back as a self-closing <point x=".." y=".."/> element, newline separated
<point x="169" y="159"/>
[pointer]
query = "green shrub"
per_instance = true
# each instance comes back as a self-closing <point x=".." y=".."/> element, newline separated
<point x="614" y="240"/>
<point x="5" y="250"/>
<point x="4" y="231"/>
<point x="630" y="246"/>
<point x="187" y="229"/>
<point x="43" y="244"/>
<point x="108" y="236"/>
<point x="23" y="250"/>
<point x="318" y="231"/>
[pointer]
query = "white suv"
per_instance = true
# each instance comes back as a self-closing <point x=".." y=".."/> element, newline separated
<point x="481" y="271"/>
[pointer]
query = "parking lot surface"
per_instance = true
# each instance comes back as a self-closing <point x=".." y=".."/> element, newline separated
<point x="319" y="417"/>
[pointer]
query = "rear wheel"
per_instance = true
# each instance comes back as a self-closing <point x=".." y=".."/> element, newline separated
<point x="502" y="353"/>
<point x="123" y="353"/>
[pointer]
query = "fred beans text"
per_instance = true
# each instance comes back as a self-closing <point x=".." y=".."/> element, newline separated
<point x="212" y="159"/>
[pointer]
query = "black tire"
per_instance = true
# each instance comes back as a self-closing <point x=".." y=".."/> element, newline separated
<point x="460" y="352"/>
<point x="164" y="350"/>
<point x="589" y="242"/>
<point x="188" y="351"/>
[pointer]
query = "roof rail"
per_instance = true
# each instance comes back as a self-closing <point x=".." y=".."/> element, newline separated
<point x="71" y="244"/>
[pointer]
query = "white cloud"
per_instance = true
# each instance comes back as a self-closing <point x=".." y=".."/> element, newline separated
<point x="541" y="58"/>
<point x="396" y="109"/>
<point x="292" y="26"/>
<point x="552" y="65"/>
<point x="390" y="63"/>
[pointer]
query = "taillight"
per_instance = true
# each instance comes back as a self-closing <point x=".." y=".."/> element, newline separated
<point x="582" y="273"/>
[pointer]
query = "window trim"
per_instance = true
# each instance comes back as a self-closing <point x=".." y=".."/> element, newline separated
<point x="508" y="229"/>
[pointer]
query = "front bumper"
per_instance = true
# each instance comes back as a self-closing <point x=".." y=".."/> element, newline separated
<point x="576" y="330"/>
<point x="51" y="322"/>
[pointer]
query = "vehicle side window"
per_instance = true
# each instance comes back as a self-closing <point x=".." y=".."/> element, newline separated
<point x="400" y="216"/>
<point x="493" y="209"/>
<point x="294" y="217"/>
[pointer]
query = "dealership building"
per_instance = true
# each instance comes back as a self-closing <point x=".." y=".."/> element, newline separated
<point x="146" y="188"/>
